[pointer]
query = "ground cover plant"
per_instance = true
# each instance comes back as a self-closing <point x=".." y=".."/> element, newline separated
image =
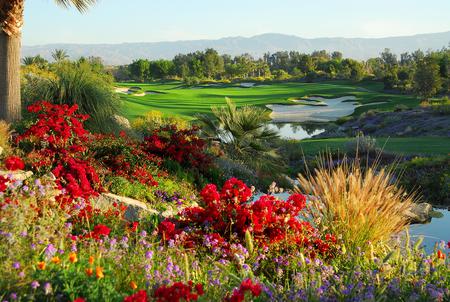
<point x="58" y="243"/>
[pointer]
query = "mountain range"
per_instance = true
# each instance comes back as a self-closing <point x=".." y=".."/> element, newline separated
<point x="357" y="48"/>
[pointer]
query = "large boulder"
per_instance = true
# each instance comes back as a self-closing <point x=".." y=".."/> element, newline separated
<point x="420" y="212"/>
<point x="135" y="208"/>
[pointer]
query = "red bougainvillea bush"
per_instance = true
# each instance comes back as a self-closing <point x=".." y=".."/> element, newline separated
<point x="228" y="216"/>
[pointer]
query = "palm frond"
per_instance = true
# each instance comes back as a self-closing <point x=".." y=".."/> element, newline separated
<point x="81" y="5"/>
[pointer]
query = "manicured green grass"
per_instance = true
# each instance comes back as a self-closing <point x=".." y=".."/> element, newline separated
<point x="397" y="145"/>
<point x="181" y="100"/>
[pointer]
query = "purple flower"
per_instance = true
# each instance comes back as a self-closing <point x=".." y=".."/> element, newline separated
<point x="50" y="250"/>
<point x="149" y="254"/>
<point x="16" y="265"/>
<point x="22" y="274"/>
<point x="13" y="296"/>
<point x="47" y="288"/>
<point x="35" y="284"/>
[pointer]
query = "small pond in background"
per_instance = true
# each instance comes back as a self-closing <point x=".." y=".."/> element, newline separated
<point x="297" y="130"/>
<point x="435" y="231"/>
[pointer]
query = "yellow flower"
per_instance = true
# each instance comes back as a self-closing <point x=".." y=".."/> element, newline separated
<point x="133" y="285"/>
<point x="41" y="265"/>
<point x="99" y="272"/>
<point x="56" y="260"/>
<point x="91" y="259"/>
<point x="89" y="271"/>
<point x="73" y="257"/>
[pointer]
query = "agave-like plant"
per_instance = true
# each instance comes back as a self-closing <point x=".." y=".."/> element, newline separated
<point x="243" y="133"/>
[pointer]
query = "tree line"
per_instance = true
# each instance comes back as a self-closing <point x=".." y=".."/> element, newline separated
<point x="426" y="74"/>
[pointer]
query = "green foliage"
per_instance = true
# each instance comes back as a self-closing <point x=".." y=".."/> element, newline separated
<point x="430" y="176"/>
<point x="244" y="134"/>
<point x="427" y="81"/>
<point x="154" y="119"/>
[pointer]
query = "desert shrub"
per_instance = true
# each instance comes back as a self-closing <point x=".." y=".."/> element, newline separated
<point x="5" y="134"/>
<point x="191" y="81"/>
<point x="361" y="144"/>
<point x="429" y="176"/>
<point x="154" y="120"/>
<point x="361" y="206"/>
<point x="441" y="106"/>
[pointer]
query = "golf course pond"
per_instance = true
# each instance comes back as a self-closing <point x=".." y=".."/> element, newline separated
<point x="315" y="109"/>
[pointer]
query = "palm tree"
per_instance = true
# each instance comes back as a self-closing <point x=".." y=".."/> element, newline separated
<point x="60" y="55"/>
<point x="243" y="133"/>
<point x="11" y="22"/>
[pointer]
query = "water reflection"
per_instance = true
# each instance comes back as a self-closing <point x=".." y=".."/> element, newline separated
<point x="435" y="231"/>
<point x="297" y="130"/>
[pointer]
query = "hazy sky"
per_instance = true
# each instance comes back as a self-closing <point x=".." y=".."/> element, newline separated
<point x="115" y="21"/>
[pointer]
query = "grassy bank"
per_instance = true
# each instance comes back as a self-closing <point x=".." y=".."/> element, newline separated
<point x="398" y="145"/>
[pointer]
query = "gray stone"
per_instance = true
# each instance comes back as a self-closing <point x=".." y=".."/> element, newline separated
<point x="419" y="212"/>
<point x="135" y="208"/>
<point x="123" y="122"/>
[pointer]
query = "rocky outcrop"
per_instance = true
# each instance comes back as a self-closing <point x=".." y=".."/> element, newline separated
<point x="420" y="213"/>
<point x="135" y="208"/>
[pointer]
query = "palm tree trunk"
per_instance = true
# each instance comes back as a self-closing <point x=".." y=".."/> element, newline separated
<point x="10" y="103"/>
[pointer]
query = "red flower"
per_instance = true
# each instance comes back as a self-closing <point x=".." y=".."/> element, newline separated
<point x="166" y="229"/>
<point x="140" y="296"/>
<point x="178" y="292"/>
<point x="3" y="185"/>
<point x="246" y="286"/>
<point x="79" y="300"/>
<point x="441" y="255"/>
<point x="14" y="163"/>
<point x="99" y="230"/>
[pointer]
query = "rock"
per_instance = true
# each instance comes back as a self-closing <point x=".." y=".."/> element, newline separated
<point x="16" y="175"/>
<point x="123" y="122"/>
<point x="135" y="208"/>
<point x="419" y="213"/>
<point x="1" y="150"/>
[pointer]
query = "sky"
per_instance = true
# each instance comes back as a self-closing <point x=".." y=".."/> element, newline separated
<point x="118" y="21"/>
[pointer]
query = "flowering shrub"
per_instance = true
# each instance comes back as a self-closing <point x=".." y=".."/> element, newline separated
<point x="57" y="140"/>
<point x="181" y="145"/>
<point x="179" y="292"/>
<point x="229" y="213"/>
<point x="14" y="163"/>
<point x="140" y="296"/>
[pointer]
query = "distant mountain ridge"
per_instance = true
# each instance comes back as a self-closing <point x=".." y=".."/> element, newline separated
<point x="357" y="48"/>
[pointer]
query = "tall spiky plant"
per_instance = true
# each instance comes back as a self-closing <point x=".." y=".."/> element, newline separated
<point x="243" y="132"/>
<point x="360" y="205"/>
<point x="11" y="22"/>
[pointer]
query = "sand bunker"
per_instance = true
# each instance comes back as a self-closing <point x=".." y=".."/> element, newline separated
<point x="121" y="90"/>
<point x="247" y="85"/>
<point x="324" y="110"/>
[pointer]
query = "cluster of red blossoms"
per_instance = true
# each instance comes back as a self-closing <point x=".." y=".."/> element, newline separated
<point x="125" y="157"/>
<point x="247" y="286"/>
<point x="99" y="230"/>
<point x="14" y="163"/>
<point x="3" y="182"/>
<point x="140" y="296"/>
<point x="178" y="292"/>
<point x="58" y="138"/>
<point x="183" y="146"/>
<point x="269" y="220"/>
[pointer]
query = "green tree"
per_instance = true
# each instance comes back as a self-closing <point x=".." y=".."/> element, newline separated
<point x="213" y="64"/>
<point x="59" y="55"/>
<point x="427" y="81"/>
<point x="11" y="21"/>
<point x="140" y="70"/>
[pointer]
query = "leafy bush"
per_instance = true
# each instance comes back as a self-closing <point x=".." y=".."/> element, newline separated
<point x="154" y="120"/>
<point x="429" y="176"/>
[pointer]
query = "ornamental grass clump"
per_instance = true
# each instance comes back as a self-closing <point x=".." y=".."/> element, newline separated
<point x="362" y="206"/>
